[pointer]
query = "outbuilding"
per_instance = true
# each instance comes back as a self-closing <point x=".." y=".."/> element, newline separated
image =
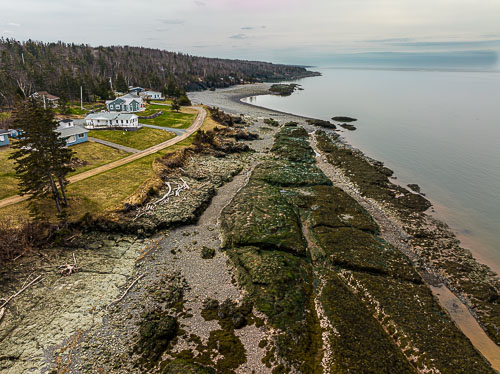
<point x="72" y="133"/>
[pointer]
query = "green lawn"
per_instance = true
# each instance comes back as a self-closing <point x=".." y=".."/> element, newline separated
<point x="8" y="180"/>
<point x="95" y="155"/>
<point x="171" y="119"/>
<point x="140" y="139"/>
<point x="114" y="186"/>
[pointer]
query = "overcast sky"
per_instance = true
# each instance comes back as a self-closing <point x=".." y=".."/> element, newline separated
<point x="289" y="31"/>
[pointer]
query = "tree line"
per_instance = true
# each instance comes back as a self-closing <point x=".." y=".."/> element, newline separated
<point x="61" y="68"/>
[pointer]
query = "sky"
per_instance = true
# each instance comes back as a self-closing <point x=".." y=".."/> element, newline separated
<point x="306" y="32"/>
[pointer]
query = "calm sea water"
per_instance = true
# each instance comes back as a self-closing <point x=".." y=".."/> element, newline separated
<point x="438" y="129"/>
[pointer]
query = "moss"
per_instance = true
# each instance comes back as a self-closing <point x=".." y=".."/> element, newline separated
<point x="280" y="284"/>
<point x="371" y="177"/>
<point x="207" y="253"/>
<point x="180" y="366"/>
<point x="157" y="330"/>
<point x="260" y="216"/>
<point x="430" y="329"/>
<point x="333" y="207"/>
<point x="291" y="144"/>
<point x="360" y="343"/>
<point x="353" y="249"/>
<point x="271" y="122"/>
<point x="286" y="173"/>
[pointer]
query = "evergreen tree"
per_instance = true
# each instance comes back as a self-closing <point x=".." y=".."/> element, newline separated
<point x="175" y="106"/>
<point x="121" y="84"/>
<point x="41" y="156"/>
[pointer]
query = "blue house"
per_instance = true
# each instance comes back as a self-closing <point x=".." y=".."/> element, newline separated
<point x="72" y="133"/>
<point x="4" y="138"/>
<point x="126" y="103"/>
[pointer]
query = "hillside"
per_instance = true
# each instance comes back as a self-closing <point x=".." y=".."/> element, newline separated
<point x="61" y="69"/>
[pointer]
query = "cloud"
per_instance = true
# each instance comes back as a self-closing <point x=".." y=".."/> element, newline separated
<point x="14" y="24"/>
<point x="200" y="3"/>
<point x="238" y="36"/>
<point x="8" y="32"/>
<point x="247" y="28"/>
<point x="173" y="21"/>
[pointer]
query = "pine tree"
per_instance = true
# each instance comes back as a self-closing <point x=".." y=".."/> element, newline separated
<point x="121" y="84"/>
<point x="42" y="161"/>
<point x="175" y="106"/>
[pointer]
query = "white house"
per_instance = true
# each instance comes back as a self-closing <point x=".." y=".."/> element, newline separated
<point x="71" y="132"/>
<point x="153" y="95"/>
<point x="112" y="120"/>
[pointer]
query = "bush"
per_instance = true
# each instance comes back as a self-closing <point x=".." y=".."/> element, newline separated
<point x="20" y="238"/>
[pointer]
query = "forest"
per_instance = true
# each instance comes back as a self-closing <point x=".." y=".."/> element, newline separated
<point x="61" y="68"/>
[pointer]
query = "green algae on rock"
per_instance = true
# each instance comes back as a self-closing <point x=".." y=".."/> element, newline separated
<point x="260" y="216"/>
<point x="180" y="366"/>
<point x="287" y="173"/>
<point x="359" y="344"/>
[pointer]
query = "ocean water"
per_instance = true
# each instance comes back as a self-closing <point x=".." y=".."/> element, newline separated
<point x="439" y="129"/>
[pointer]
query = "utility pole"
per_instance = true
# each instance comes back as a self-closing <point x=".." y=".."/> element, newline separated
<point x="44" y="103"/>
<point x="111" y="84"/>
<point x="81" y="98"/>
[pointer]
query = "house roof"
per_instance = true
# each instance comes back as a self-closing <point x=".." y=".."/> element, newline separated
<point x="4" y="132"/>
<point x="127" y="99"/>
<point x="111" y="116"/>
<point x="47" y="95"/>
<point x="70" y="131"/>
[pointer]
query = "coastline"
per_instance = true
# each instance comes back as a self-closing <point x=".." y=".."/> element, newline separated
<point x="260" y="89"/>
<point x="439" y="279"/>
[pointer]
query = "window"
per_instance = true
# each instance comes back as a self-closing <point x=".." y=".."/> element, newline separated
<point x="2" y="138"/>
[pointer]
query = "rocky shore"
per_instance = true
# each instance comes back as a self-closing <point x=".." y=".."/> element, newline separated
<point x="296" y="254"/>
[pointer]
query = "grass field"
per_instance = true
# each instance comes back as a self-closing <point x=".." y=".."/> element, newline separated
<point x="140" y="139"/>
<point x="179" y="120"/>
<point x="93" y="153"/>
<point x="114" y="186"/>
<point x="8" y="180"/>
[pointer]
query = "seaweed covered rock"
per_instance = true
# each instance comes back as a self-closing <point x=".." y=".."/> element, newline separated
<point x="260" y="216"/>
<point x="157" y="330"/>
<point x="344" y="119"/>
<point x="354" y="249"/>
<point x="370" y="177"/>
<point x="287" y="173"/>
<point x="180" y="366"/>
<point x="283" y="89"/>
<point x="348" y="126"/>
<point x="321" y="123"/>
<point x="413" y="318"/>
<point x="281" y="286"/>
<point x="332" y="207"/>
<point x="359" y="343"/>
<point x="271" y="122"/>
<point x="292" y="144"/>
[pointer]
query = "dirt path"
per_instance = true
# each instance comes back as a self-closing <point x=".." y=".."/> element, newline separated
<point x="393" y="232"/>
<point x="197" y="123"/>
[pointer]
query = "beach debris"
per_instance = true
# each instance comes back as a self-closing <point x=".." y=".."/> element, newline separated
<point x="69" y="269"/>
<point x="25" y="286"/>
<point x="128" y="289"/>
<point x="149" y="208"/>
